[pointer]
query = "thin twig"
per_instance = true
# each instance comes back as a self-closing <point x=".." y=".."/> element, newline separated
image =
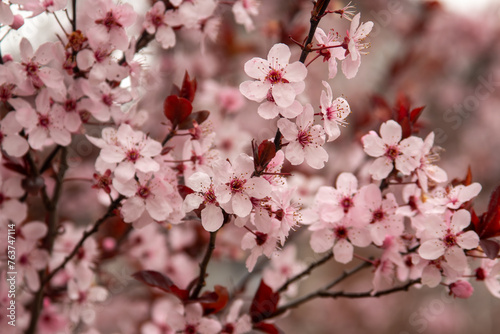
<point x="305" y="272"/>
<point x="73" y="22"/>
<point x="48" y="160"/>
<point x="203" y="266"/>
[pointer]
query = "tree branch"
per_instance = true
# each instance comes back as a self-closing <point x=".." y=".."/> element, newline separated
<point x="305" y="272"/>
<point x="203" y="266"/>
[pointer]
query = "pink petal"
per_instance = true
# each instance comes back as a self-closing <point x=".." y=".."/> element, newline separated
<point x="255" y="90"/>
<point x="132" y="209"/>
<point x="211" y="217"/>
<point x="283" y="94"/>
<point x="468" y="240"/>
<point x="381" y="168"/>
<point x="295" y="72"/>
<point x="257" y="68"/>
<point x="343" y="251"/>
<point x="125" y="171"/>
<point x="373" y="145"/>
<point x="431" y="249"/>
<point x="391" y="132"/>
<point x="279" y="54"/>
<point x="456" y="258"/>
<point x="241" y="204"/>
<point x="288" y="129"/>
<point x="322" y="240"/>
<point x="158" y="208"/>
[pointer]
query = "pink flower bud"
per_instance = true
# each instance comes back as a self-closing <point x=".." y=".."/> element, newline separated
<point x="18" y="22"/>
<point x="7" y="58"/>
<point x="461" y="289"/>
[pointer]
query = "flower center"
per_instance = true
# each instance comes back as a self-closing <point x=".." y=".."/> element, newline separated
<point x="107" y="99"/>
<point x="236" y="185"/>
<point x="480" y="274"/>
<point x="43" y="121"/>
<point x="346" y="203"/>
<point x="31" y="69"/>
<point x="450" y="240"/>
<point x="378" y="215"/>
<point x="392" y="152"/>
<point x="144" y="192"/>
<point x="109" y="21"/>
<point x="6" y="91"/>
<point x="209" y="196"/>
<point x="133" y="155"/>
<point x="70" y="105"/>
<point x="228" y="329"/>
<point x="260" y="238"/>
<point x="304" y="138"/>
<point x="340" y="232"/>
<point x="190" y="329"/>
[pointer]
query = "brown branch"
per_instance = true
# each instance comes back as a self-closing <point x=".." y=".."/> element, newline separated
<point x="305" y="272"/>
<point x="203" y="266"/>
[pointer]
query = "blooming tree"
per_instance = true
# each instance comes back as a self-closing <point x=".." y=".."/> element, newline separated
<point x="172" y="183"/>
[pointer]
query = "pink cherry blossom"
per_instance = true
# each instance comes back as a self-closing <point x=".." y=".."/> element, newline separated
<point x="450" y="240"/>
<point x="284" y="265"/>
<point x="193" y="321"/>
<point x="305" y="140"/>
<point x="427" y="170"/>
<point x="159" y="22"/>
<point x="489" y="273"/>
<point x="354" y="41"/>
<point x="461" y="289"/>
<point x="260" y="244"/>
<point x="334" y="112"/>
<point x="235" y="323"/>
<point x="331" y="50"/>
<point x="84" y="295"/>
<point x="234" y="185"/>
<point x="10" y="140"/>
<point x="147" y="199"/>
<point x="130" y="150"/>
<point x="40" y="6"/>
<point x="453" y="197"/>
<point x="29" y="260"/>
<point x="43" y="125"/>
<point x="243" y="9"/>
<point x="389" y="149"/>
<point x="211" y="215"/>
<point x="159" y="322"/>
<point x="278" y="81"/>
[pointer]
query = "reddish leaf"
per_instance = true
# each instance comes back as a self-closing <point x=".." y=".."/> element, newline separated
<point x="177" y="109"/>
<point x="198" y="116"/>
<point x="490" y="248"/>
<point x="188" y="88"/>
<point x="263" y="155"/>
<point x="267" y="328"/>
<point x="15" y="167"/>
<point x="488" y="225"/>
<point x="184" y="190"/>
<point x="215" y="301"/>
<point x="264" y="303"/>
<point x="160" y="281"/>
<point x="415" y="114"/>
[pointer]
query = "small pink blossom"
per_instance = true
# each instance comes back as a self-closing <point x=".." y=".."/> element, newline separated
<point x="10" y="140"/>
<point x="450" y="240"/>
<point x="158" y="22"/>
<point x="193" y="321"/>
<point x="243" y="9"/>
<point x="278" y="81"/>
<point x="461" y="289"/>
<point x="305" y="140"/>
<point x="390" y="150"/>
<point x="427" y="170"/>
<point x="334" y="112"/>
<point x="354" y="41"/>
<point x="330" y="50"/>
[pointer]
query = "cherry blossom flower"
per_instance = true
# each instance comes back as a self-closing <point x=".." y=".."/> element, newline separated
<point x="330" y="50"/>
<point x="6" y="16"/>
<point x="284" y="265"/>
<point x="211" y="215"/>
<point x="159" y="22"/>
<point x="389" y="149"/>
<point x="29" y="260"/>
<point x="450" y="240"/>
<point x="234" y="323"/>
<point x="147" y="200"/>
<point x="334" y="112"/>
<point x="110" y="21"/>
<point x="278" y="81"/>
<point x="243" y="9"/>
<point x="427" y="170"/>
<point x="37" y="7"/>
<point x="260" y="244"/>
<point x="354" y="44"/>
<point x="384" y="219"/>
<point x="159" y="322"/>
<point x="83" y="296"/>
<point x="305" y="140"/>
<point x="130" y="150"/>
<point x="43" y="125"/>
<point x="453" y="197"/>
<point x="193" y="321"/>
<point x="234" y="185"/>
<point x="104" y="100"/>
<point x="489" y="273"/>
<point x="10" y="140"/>
<point x="461" y="289"/>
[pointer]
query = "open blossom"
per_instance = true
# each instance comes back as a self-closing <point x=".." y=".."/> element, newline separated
<point x="278" y="81"/>
<point x="193" y="321"/>
<point x="305" y="140"/>
<point x="330" y="50"/>
<point x="427" y="170"/>
<point x="354" y="41"/>
<point x="204" y="194"/>
<point x="449" y="239"/>
<point x="284" y="265"/>
<point x="489" y="273"/>
<point x="147" y="200"/>
<point x="453" y="197"/>
<point x="389" y="149"/>
<point x="334" y="112"/>
<point x="260" y="244"/>
<point x="130" y="150"/>
<point x="243" y="9"/>
<point x="234" y="185"/>
<point x="159" y="22"/>
<point x="10" y="140"/>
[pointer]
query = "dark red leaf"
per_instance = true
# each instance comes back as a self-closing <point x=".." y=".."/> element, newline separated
<point x="490" y="248"/>
<point x="488" y="225"/>
<point x="15" y="167"/>
<point x="267" y="328"/>
<point x="188" y="89"/>
<point x="264" y="303"/>
<point x="215" y="301"/>
<point x="160" y="281"/>
<point x="415" y="114"/>
<point x="177" y="109"/>
<point x="184" y="190"/>
<point x="197" y="116"/>
<point x="263" y="154"/>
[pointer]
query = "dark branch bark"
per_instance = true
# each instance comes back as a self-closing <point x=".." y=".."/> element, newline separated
<point x="204" y="265"/>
